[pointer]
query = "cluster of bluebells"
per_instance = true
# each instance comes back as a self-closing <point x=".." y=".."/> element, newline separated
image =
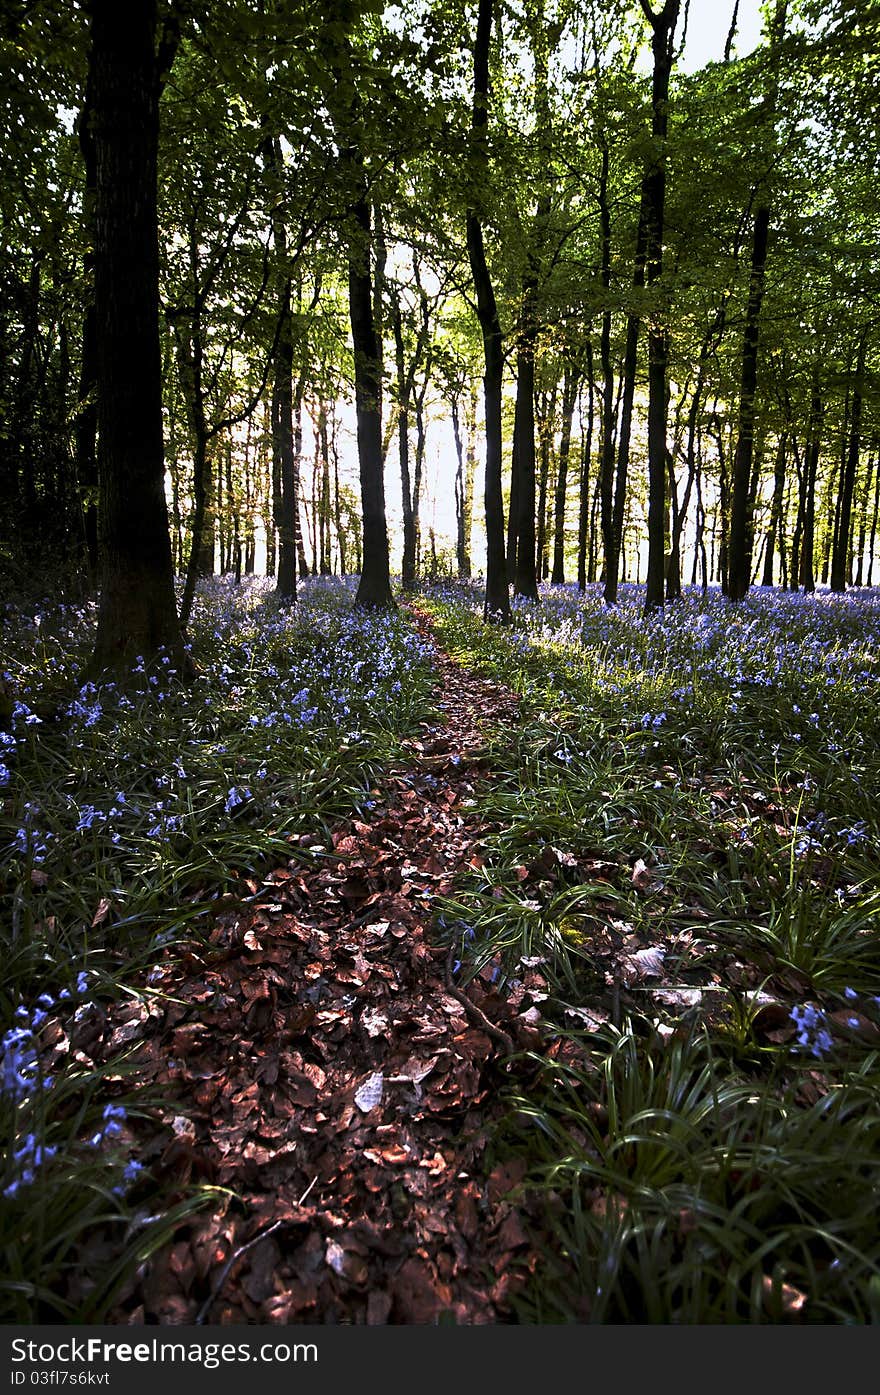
<point x="19" y="1067"/>
<point x="773" y="640"/>
<point x="21" y="1079"/>
<point x="813" y="1034"/>
<point x="821" y="835"/>
<point x="813" y="1030"/>
<point x="26" y="1162"/>
<point x="276" y="686"/>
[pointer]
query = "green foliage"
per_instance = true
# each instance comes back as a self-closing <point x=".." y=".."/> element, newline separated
<point x="688" y="867"/>
<point x="132" y="815"/>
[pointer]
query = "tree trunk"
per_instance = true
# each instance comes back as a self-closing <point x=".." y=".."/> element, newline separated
<point x="739" y="562"/>
<point x="863" y="522"/>
<point x="654" y="198"/>
<point x="525" y="581"/>
<point x="774" y="527"/>
<point x="874" y="519"/>
<point x="408" y="562"/>
<point x="806" y="574"/>
<point x="841" y="554"/>
<point x="325" y="562"/>
<point x="374" y="588"/>
<point x="585" y="557"/>
<point x="284" y="456"/>
<point x="570" y="388"/>
<point x="613" y="486"/>
<point x="419" y="462"/>
<point x="462" y="532"/>
<point x="137" y="614"/>
<point x="497" y="602"/>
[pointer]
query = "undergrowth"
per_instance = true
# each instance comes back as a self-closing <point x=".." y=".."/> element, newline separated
<point x="681" y="841"/>
<point x="131" y="813"/>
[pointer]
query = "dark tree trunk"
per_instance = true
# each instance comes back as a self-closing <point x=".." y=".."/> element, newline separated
<point x="341" y="540"/>
<point x="739" y="560"/>
<point x="806" y="574"/>
<point x="654" y="198"/>
<point x="613" y="506"/>
<point x="525" y="581"/>
<point x="612" y="485"/>
<point x="462" y="502"/>
<point x="841" y="554"/>
<point x="570" y="387"/>
<point x="545" y="421"/>
<point x="774" y="527"/>
<point x="673" y="571"/>
<point x="723" y="511"/>
<point x="419" y="462"/>
<point x="863" y="522"/>
<point x="324" y="562"/>
<point x="874" y="519"/>
<point x="497" y="602"/>
<point x="408" y="562"/>
<point x="586" y="555"/>
<point x="137" y="614"/>
<point x="513" y="510"/>
<point x="374" y="588"/>
<point x="284" y="457"/>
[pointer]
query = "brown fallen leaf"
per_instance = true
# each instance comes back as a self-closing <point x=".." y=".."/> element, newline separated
<point x="102" y="912"/>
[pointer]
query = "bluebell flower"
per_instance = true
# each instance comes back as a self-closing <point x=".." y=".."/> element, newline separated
<point x="235" y="797"/>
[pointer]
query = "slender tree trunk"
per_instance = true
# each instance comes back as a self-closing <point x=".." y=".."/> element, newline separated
<point x="284" y="453"/>
<point x="419" y="462"/>
<point x="525" y="581"/>
<point x="374" y="589"/>
<point x="723" y="511"/>
<point x="739" y="564"/>
<point x="863" y="521"/>
<point x="497" y="602"/>
<point x="341" y="539"/>
<point x="842" y="545"/>
<point x="680" y="513"/>
<point x="806" y="573"/>
<point x="545" y="414"/>
<point x="408" y="564"/>
<point x="613" y="507"/>
<point x="586" y="554"/>
<point x="324" y="562"/>
<point x="775" y="525"/>
<point x="874" y="519"/>
<point x="654" y="198"/>
<point x="461" y="546"/>
<point x="467" y="461"/>
<point x="570" y="388"/>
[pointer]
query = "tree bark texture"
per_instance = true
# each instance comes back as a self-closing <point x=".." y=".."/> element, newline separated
<point x="137" y="614"/>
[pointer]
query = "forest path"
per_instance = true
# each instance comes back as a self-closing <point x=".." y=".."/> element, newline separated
<point x="326" y="1070"/>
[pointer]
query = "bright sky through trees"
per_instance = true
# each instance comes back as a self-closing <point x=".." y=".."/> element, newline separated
<point x="708" y="26"/>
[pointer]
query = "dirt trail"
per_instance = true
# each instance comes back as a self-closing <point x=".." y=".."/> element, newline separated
<point x="326" y="1073"/>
